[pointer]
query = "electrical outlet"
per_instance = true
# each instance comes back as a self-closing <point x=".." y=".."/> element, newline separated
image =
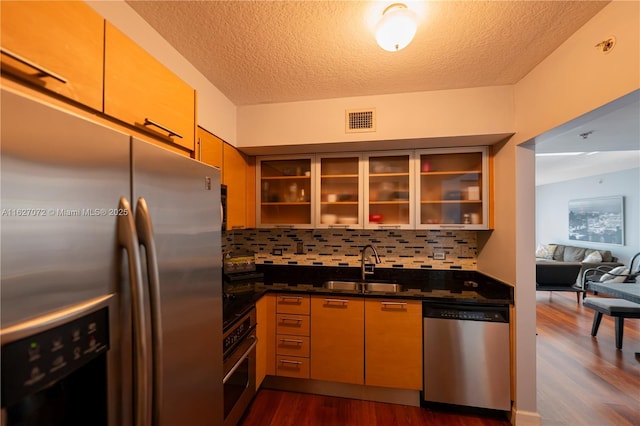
<point x="439" y="255"/>
<point x="276" y="252"/>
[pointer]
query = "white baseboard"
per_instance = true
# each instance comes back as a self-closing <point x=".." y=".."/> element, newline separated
<point x="524" y="418"/>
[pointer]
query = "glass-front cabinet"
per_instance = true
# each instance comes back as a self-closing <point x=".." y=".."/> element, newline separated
<point x="389" y="190"/>
<point x="339" y="193"/>
<point x="453" y="188"/>
<point x="285" y="190"/>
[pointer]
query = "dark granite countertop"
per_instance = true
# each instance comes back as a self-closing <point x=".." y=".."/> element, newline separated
<point x="451" y="286"/>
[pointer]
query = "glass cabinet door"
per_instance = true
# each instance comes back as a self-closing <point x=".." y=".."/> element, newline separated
<point x="389" y="190"/>
<point x="340" y="194"/>
<point x="285" y="192"/>
<point x="452" y="188"/>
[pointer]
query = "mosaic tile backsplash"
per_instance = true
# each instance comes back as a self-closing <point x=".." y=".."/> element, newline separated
<point x="331" y="247"/>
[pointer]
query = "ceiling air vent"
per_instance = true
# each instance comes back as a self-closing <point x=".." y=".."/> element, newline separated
<point x="360" y="120"/>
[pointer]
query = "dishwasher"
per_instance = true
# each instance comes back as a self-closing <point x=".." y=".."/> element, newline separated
<point x="466" y="355"/>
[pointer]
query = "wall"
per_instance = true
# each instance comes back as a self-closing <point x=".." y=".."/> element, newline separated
<point x="332" y="247"/>
<point x="215" y="111"/>
<point x="477" y="111"/>
<point x="573" y="80"/>
<point x="552" y="218"/>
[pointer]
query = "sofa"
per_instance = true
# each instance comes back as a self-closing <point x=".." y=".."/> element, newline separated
<point x="586" y="257"/>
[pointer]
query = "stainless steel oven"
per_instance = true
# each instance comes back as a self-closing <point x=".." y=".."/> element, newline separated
<point x="239" y="345"/>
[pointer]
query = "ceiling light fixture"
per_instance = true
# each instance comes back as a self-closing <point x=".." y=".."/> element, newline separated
<point x="396" y="27"/>
<point x="557" y="154"/>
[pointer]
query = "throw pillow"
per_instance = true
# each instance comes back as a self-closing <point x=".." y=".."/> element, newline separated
<point x="593" y="257"/>
<point x="574" y="254"/>
<point x="621" y="278"/>
<point x="559" y="253"/>
<point x="545" y="251"/>
<point x="613" y="274"/>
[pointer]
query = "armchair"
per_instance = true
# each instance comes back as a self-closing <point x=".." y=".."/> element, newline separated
<point x="616" y="308"/>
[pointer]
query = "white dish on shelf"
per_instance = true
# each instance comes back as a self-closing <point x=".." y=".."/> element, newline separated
<point x="328" y="219"/>
<point x="347" y="220"/>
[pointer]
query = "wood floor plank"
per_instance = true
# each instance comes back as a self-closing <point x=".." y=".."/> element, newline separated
<point x="584" y="380"/>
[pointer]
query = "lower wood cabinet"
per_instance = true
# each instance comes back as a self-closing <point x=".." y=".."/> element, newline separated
<point x="355" y="340"/>
<point x="393" y="343"/>
<point x="292" y="336"/>
<point x="337" y="339"/>
<point x="265" y="332"/>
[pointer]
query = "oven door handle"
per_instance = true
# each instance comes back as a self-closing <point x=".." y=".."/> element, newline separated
<point x="242" y="358"/>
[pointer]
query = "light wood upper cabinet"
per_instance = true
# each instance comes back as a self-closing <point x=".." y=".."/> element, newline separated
<point x="393" y="324"/>
<point x="144" y="93"/>
<point x="284" y="187"/>
<point x="234" y="175"/>
<point x="337" y="339"/>
<point x="56" y="46"/>
<point x="209" y="148"/>
<point x="339" y="190"/>
<point x="453" y="189"/>
<point x="389" y="190"/>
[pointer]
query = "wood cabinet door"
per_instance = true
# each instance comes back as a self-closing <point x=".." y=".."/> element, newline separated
<point x="55" y="45"/>
<point x="389" y="190"/>
<point x="142" y="92"/>
<point x="452" y="188"/>
<point x="265" y="332"/>
<point x="209" y="148"/>
<point x="393" y="347"/>
<point x="337" y="339"/>
<point x="284" y="191"/>
<point x="234" y="175"/>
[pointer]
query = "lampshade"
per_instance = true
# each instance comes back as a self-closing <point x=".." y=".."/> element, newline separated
<point x="396" y="28"/>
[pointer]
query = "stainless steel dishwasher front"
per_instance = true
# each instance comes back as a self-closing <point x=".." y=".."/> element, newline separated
<point x="466" y="355"/>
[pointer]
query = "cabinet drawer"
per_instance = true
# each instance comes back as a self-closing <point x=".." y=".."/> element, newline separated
<point x="292" y="345"/>
<point x="60" y="45"/>
<point x="291" y="366"/>
<point x="292" y="304"/>
<point x="297" y="325"/>
<point x="142" y="92"/>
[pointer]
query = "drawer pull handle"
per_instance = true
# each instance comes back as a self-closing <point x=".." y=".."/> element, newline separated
<point x="393" y="304"/>
<point x="389" y="226"/>
<point x="148" y="122"/>
<point x="336" y="300"/>
<point x="35" y="66"/>
<point x="286" y="361"/>
<point x="291" y="319"/>
<point x="298" y="298"/>
<point x="298" y="342"/>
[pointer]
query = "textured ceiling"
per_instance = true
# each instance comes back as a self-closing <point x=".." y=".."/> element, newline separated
<point x="259" y="52"/>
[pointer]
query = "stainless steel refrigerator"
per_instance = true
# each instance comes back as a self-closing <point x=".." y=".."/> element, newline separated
<point x="95" y="221"/>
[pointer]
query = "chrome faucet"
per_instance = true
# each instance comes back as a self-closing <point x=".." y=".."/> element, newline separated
<point x="363" y="268"/>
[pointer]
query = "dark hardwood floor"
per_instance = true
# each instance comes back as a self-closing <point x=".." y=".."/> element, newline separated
<point x="581" y="381"/>
<point x="584" y="380"/>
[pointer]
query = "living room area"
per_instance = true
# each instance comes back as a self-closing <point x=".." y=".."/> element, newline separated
<point x="587" y="216"/>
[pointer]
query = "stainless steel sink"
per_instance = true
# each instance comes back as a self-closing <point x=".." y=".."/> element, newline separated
<point x="363" y="287"/>
<point x="342" y="285"/>
<point x="382" y="287"/>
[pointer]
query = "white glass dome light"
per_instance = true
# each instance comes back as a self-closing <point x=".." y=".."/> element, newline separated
<point x="397" y="27"/>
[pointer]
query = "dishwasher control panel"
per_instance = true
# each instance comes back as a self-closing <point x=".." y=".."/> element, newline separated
<point x="466" y="313"/>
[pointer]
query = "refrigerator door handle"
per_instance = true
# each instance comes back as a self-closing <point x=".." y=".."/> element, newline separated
<point x="144" y="228"/>
<point x="128" y="239"/>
